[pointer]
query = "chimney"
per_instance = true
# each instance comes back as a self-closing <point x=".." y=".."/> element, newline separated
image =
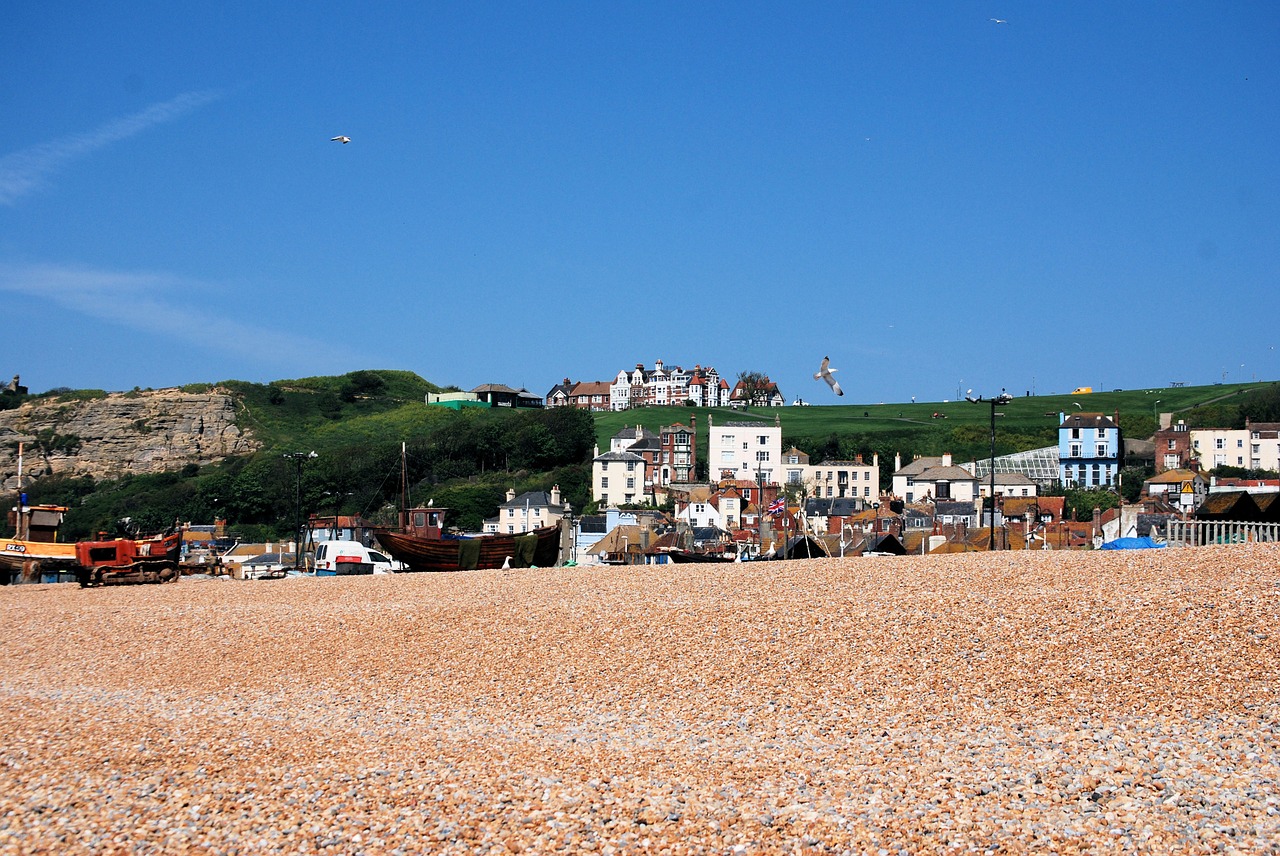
<point x="555" y="494"/>
<point x="897" y="461"/>
<point x="511" y="494"/>
<point x="946" y="459"/>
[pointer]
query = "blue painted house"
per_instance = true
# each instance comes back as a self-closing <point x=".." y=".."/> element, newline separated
<point x="1089" y="450"/>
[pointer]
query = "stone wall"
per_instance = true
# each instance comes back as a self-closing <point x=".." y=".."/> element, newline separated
<point x="122" y="433"/>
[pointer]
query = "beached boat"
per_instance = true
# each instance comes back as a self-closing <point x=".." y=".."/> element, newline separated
<point x="423" y="545"/>
<point x="692" y="556"/>
<point x="35" y="554"/>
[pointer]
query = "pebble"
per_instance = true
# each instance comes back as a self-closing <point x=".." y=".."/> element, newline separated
<point x="1010" y="702"/>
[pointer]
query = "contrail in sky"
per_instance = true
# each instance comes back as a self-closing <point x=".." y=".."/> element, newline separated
<point x="144" y="302"/>
<point x="24" y="171"/>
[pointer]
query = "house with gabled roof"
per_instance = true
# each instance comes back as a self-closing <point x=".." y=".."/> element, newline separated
<point x="531" y="510"/>
<point x="1183" y="489"/>
<point x="935" y="478"/>
<point x="765" y="394"/>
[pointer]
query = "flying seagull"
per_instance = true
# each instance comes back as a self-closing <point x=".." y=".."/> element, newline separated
<point x="343" y="140"/>
<point x="998" y="20"/>
<point x="824" y="373"/>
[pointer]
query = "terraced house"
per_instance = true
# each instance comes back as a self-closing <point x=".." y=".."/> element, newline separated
<point x="1089" y="450"/>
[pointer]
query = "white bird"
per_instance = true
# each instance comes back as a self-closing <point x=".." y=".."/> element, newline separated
<point x="998" y="21"/>
<point x="343" y="140"/>
<point x="824" y="373"/>
<point x="506" y="564"/>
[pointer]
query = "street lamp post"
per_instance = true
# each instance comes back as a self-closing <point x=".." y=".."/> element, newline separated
<point x="1155" y="414"/>
<point x="1000" y="400"/>
<point x="299" y="458"/>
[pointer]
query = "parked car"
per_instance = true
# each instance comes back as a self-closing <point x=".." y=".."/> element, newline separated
<point x="340" y="558"/>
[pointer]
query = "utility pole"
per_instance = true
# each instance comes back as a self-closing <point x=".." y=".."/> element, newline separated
<point x="999" y="401"/>
<point x="299" y="458"/>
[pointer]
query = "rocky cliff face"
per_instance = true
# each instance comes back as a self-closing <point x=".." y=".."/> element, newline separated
<point x="132" y="432"/>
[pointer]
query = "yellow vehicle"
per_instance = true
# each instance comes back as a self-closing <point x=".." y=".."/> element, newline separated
<point x="1082" y="390"/>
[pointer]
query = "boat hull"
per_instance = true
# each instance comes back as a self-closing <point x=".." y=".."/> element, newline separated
<point x="539" y="548"/>
<point x="682" y="557"/>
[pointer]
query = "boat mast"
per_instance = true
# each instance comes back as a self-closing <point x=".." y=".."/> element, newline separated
<point x="404" y="488"/>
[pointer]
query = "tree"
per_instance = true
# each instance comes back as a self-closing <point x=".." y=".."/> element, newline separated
<point x="1080" y="503"/>
<point x="752" y="384"/>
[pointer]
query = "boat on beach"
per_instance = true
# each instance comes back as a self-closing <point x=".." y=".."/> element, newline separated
<point x="683" y="557"/>
<point x="423" y="545"/>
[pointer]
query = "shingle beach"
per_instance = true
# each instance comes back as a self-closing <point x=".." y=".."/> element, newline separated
<point x="1019" y="702"/>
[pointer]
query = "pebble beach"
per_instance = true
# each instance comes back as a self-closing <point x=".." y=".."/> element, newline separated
<point x="1081" y="702"/>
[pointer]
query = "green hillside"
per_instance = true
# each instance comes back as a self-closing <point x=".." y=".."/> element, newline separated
<point x="961" y="428"/>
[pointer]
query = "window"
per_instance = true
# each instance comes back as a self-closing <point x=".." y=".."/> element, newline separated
<point x="1219" y="443"/>
<point x="1171" y="446"/>
<point x="1102" y="450"/>
<point x="511" y="528"/>
<point x="604" y="499"/>
<point x="1075" y="433"/>
<point x="762" y="455"/>
<point x="511" y="512"/>
<point x="1170" y="462"/>
<point x="764" y="441"/>
<point x="866" y="491"/>
<point x="604" y="482"/>
<point x="1239" y="444"/>
<point x="631" y="466"/>
<point x="631" y="483"/>
<point x="1074" y="451"/>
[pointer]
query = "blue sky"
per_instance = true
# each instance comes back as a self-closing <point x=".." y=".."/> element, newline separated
<point x="1088" y="194"/>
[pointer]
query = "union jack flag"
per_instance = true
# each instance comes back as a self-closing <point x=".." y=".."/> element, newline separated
<point x="777" y="507"/>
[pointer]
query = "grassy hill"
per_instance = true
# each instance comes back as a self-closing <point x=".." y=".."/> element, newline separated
<point x="961" y="427"/>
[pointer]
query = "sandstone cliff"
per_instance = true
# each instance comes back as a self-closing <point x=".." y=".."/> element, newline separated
<point x="122" y="433"/>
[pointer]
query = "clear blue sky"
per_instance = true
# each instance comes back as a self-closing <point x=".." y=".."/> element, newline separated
<point x="1088" y="194"/>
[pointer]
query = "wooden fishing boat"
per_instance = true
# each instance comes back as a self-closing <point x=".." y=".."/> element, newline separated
<point x="423" y="545"/>
<point x="692" y="556"/>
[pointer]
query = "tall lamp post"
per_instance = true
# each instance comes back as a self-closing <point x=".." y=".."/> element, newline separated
<point x="999" y="401"/>
<point x="299" y="458"/>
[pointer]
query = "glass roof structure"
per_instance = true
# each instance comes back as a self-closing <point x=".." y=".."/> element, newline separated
<point x="1039" y="465"/>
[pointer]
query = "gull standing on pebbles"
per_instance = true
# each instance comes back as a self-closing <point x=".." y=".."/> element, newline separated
<point x="824" y="373"/>
<point x="343" y="140"/>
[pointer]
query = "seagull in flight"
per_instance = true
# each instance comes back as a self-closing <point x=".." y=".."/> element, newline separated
<point x="824" y="373"/>
<point x="998" y="20"/>
<point x="343" y="140"/>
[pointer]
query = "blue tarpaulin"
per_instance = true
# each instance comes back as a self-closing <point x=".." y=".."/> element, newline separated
<point x="1131" y="544"/>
